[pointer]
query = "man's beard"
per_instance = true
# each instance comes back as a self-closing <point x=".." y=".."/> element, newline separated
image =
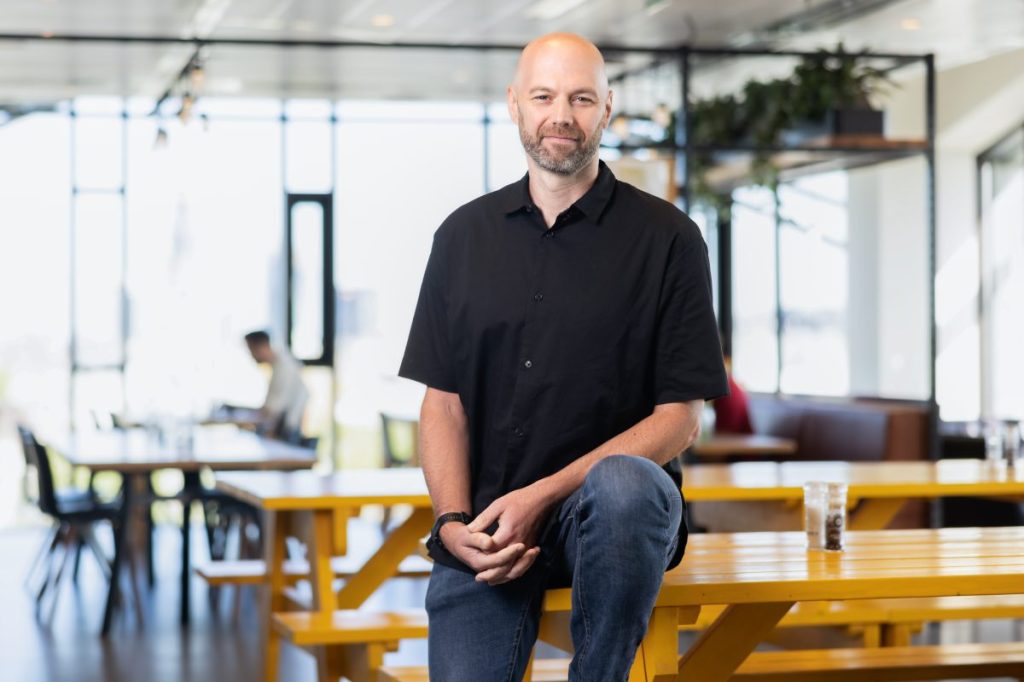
<point x="568" y="164"/>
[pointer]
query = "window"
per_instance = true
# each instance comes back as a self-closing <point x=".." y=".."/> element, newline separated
<point x="310" y="287"/>
<point x="1002" y="257"/>
<point x="813" y="286"/>
<point x="34" y="255"/>
<point x="388" y="206"/>
<point x="754" y="308"/>
<point x="206" y="259"/>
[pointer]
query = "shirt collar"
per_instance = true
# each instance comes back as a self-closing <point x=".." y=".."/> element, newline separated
<point x="592" y="204"/>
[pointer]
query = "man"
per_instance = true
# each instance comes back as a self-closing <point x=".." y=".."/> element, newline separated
<point x="566" y="336"/>
<point x="281" y="414"/>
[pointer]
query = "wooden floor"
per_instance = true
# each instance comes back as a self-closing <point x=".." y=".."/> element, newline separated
<point x="215" y="648"/>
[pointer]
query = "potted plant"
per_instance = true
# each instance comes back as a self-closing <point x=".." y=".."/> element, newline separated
<point x="827" y="95"/>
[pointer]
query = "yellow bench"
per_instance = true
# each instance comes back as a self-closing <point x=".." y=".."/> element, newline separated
<point x="253" y="571"/>
<point x="895" y="664"/>
<point x="888" y="664"/>
<point x="365" y="636"/>
<point x="544" y="670"/>
<point x="356" y="640"/>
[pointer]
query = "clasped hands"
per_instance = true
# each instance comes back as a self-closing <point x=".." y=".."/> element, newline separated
<point x="512" y="549"/>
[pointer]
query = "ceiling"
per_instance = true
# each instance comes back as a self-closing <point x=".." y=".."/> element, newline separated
<point x="46" y="69"/>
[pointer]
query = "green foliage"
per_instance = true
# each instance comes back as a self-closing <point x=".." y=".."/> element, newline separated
<point x="760" y="113"/>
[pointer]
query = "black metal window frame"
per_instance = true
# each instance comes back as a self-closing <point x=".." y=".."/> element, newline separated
<point x="326" y="203"/>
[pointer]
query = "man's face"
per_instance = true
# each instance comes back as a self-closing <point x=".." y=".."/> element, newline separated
<point x="561" y="105"/>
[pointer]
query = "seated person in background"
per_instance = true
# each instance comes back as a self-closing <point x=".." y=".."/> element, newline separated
<point x="281" y="414"/>
<point x="732" y="412"/>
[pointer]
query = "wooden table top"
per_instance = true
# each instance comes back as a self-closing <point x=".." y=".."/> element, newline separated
<point x="139" y="451"/>
<point x="749" y="568"/>
<point x="726" y="568"/>
<point x="771" y="481"/>
<point x="784" y="481"/>
<point x="742" y="444"/>
<point x="306" y="490"/>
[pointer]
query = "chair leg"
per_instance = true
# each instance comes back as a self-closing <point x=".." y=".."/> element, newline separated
<point x="69" y="552"/>
<point x="78" y="560"/>
<point x="54" y="562"/>
<point x="150" y="530"/>
<point x="43" y="557"/>
<point x="89" y="536"/>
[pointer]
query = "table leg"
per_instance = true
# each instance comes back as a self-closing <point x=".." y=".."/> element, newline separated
<point x="150" y="494"/>
<point x="276" y="526"/>
<point x="120" y="536"/>
<point x="383" y="565"/>
<point x="319" y="552"/>
<point x="720" y="649"/>
<point x="188" y="494"/>
<point x="875" y="514"/>
<point x="657" y="657"/>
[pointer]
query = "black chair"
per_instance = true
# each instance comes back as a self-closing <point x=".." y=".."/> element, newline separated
<point x="74" y="520"/>
<point x="395" y="456"/>
<point x="44" y="557"/>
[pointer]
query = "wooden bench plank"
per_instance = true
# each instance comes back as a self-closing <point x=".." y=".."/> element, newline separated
<point x="890" y="664"/>
<point x="544" y="670"/>
<point x="350" y="627"/>
<point x="253" y="571"/>
<point x="310" y="627"/>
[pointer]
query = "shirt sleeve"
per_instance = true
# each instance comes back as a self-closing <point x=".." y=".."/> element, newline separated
<point x="688" y="352"/>
<point x="427" y="356"/>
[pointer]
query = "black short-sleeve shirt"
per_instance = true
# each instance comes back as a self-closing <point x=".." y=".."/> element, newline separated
<point x="558" y="339"/>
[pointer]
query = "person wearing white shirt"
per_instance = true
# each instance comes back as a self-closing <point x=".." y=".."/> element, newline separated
<point x="285" y="404"/>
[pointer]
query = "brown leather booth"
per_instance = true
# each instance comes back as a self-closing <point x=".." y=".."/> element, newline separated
<point x="853" y="430"/>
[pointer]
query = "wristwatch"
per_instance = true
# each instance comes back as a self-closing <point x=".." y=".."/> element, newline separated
<point x="435" y="533"/>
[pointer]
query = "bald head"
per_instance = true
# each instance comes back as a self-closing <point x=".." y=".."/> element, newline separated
<point x="561" y="103"/>
<point x="554" y="53"/>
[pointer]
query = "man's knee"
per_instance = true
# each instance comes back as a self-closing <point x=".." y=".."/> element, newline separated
<point x="628" y="485"/>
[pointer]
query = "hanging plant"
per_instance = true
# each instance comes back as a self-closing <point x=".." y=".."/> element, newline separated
<point x="824" y="91"/>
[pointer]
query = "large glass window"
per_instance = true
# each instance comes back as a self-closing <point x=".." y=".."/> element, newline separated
<point x="1002" y="242"/>
<point x="754" y="309"/>
<point x="206" y="259"/>
<point x="98" y="268"/>
<point x="388" y="204"/>
<point x="845" y="312"/>
<point x="34" y="265"/>
<point x="813" y="280"/>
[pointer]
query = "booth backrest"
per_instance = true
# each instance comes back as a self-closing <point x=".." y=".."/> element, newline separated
<point x="849" y="430"/>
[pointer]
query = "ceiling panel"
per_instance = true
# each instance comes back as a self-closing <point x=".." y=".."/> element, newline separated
<point x="30" y="70"/>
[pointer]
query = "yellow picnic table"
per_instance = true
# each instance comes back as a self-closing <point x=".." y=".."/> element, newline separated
<point x="323" y="503"/>
<point x="759" y="576"/>
<point x="877" y="491"/>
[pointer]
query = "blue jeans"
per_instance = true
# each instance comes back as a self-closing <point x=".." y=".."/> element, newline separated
<point x="612" y="540"/>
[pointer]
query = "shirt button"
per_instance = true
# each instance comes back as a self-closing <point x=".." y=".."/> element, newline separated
<point x="527" y="364"/>
<point x="550" y="233"/>
<point x="518" y="432"/>
<point x="538" y="297"/>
